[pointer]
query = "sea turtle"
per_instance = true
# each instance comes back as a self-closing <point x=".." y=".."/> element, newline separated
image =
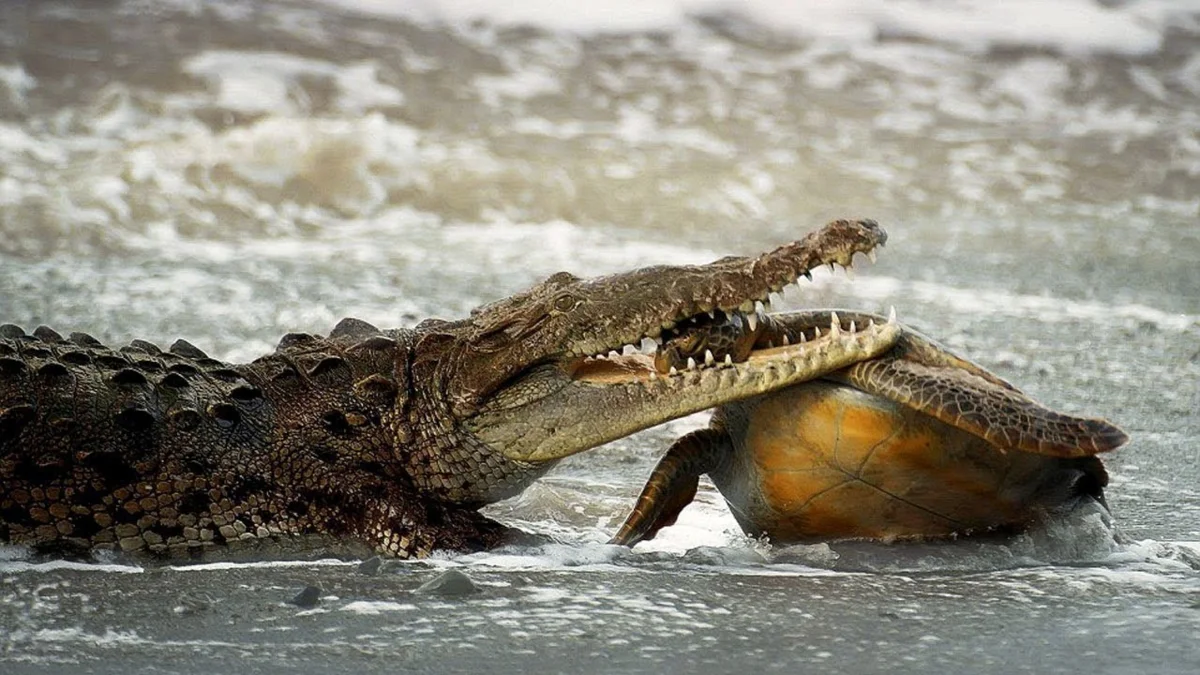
<point x="915" y="443"/>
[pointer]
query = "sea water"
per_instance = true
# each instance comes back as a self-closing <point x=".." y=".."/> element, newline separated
<point x="232" y="171"/>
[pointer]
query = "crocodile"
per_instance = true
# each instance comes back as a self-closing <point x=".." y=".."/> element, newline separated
<point x="368" y="440"/>
<point x="914" y="443"/>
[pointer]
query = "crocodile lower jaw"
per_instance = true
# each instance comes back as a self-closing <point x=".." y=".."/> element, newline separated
<point x="835" y="343"/>
<point x="606" y="399"/>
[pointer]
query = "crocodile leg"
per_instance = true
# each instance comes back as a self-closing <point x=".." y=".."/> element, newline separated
<point x="672" y="484"/>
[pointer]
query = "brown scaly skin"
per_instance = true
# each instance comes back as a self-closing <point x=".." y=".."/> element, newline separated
<point x="370" y="440"/>
<point x="916" y="442"/>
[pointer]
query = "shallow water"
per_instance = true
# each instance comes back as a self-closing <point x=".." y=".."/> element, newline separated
<point x="230" y="172"/>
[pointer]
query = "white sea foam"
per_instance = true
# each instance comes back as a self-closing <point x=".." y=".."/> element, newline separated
<point x="110" y="638"/>
<point x="376" y="607"/>
<point x="1068" y="25"/>
<point x="266" y="564"/>
<point x="706" y="522"/>
<point x="264" y="81"/>
<point x="550" y="556"/>
<point x="59" y="565"/>
<point x="349" y="164"/>
<point x="15" y="82"/>
<point x="309" y="142"/>
<point x="1143" y="565"/>
<point x="524" y="84"/>
<point x="10" y="563"/>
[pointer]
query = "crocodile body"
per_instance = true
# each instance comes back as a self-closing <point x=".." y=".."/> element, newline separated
<point x="172" y="451"/>
<point x="372" y="440"/>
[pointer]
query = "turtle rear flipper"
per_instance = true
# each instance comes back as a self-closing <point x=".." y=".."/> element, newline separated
<point x="1004" y="417"/>
<point x="672" y="485"/>
<point x="1076" y="480"/>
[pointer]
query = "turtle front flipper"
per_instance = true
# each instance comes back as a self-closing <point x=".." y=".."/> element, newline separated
<point x="927" y="377"/>
<point x="1003" y="416"/>
<point x="672" y="485"/>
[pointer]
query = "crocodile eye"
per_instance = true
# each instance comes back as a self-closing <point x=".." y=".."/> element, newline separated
<point x="565" y="303"/>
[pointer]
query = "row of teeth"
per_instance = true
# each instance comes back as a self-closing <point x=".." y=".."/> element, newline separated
<point x="650" y="345"/>
<point x="750" y="310"/>
<point x="835" y="330"/>
<point x="835" y="327"/>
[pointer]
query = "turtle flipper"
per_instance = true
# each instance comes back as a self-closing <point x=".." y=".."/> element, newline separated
<point x="1003" y="416"/>
<point x="672" y="485"/>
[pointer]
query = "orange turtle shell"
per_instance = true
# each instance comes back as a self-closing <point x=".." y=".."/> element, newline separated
<point x="827" y="461"/>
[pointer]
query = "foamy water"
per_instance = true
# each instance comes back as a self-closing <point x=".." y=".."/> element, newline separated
<point x="1131" y="28"/>
<point x="246" y="144"/>
<point x="229" y="172"/>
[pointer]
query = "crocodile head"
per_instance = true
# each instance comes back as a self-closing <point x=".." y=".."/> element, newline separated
<point x="534" y="375"/>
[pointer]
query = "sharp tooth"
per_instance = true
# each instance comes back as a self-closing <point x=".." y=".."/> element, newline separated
<point x="612" y="354"/>
<point x="786" y="340"/>
<point x="708" y="357"/>
<point x="770" y="344"/>
<point x="752" y="321"/>
<point x="849" y="272"/>
<point x="871" y="256"/>
<point x="648" y="346"/>
<point x="892" y="314"/>
<point x="713" y="315"/>
<point x="729" y="359"/>
<point x="816" y="332"/>
<point x="870" y="323"/>
<point x="760" y="307"/>
<point x="835" y="326"/>
<point x="674" y="370"/>
<point x="802" y="338"/>
<point x="851" y="325"/>
<point x="691" y="363"/>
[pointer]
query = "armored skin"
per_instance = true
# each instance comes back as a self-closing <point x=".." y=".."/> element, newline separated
<point x="914" y="443"/>
<point x="370" y="440"/>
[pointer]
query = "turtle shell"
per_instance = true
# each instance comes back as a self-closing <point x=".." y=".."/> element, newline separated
<point x="826" y="461"/>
